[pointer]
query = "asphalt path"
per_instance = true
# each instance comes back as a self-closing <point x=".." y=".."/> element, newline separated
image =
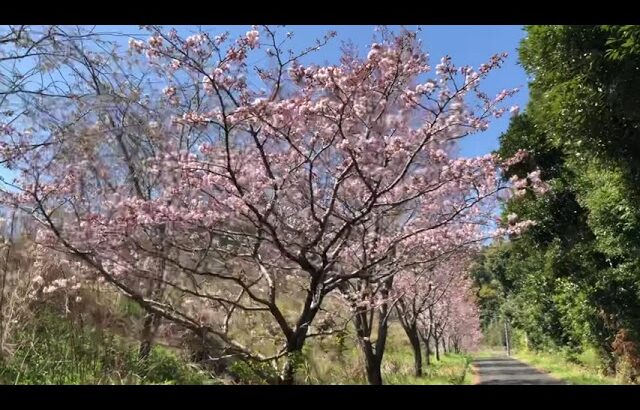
<point x="506" y="370"/>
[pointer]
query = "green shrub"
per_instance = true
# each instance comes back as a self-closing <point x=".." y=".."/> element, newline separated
<point x="52" y="349"/>
<point x="164" y="366"/>
<point x="247" y="372"/>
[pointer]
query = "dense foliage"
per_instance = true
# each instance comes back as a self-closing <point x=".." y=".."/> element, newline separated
<point x="573" y="280"/>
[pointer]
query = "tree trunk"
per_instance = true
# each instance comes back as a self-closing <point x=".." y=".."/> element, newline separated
<point x="298" y="336"/>
<point x="506" y="338"/>
<point x="411" y="330"/>
<point x="152" y="320"/>
<point x="149" y="330"/>
<point x="287" y="376"/>
<point x="371" y="359"/>
<point x="427" y="351"/>
<point x="294" y="349"/>
<point x="372" y="363"/>
<point x="417" y="354"/>
<point x="372" y="354"/>
<point x="426" y="339"/>
<point x="374" y="374"/>
<point x="437" y="344"/>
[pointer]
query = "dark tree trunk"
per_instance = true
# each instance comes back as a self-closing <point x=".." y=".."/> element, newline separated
<point x="427" y="351"/>
<point x="294" y="349"/>
<point x="287" y="376"/>
<point x="426" y="340"/>
<point x="411" y="330"/>
<point x="296" y="341"/>
<point x="148" y="335"/>
<point x="437" y="345"/>
<point x="414" y="339"/>
<point x="372" y="362"/>
<point x="297" y="336"/>
<point x="373" y="354"/>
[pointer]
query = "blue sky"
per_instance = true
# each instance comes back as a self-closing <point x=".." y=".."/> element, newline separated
<point x="473" y="45"/>
<point x="467" y="45"/>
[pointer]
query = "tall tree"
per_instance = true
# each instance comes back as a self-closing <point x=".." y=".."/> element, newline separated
<point x="209" y="189"/>
<point x="581" y="129"/>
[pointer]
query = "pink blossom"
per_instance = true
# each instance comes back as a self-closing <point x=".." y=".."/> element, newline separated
<point x="155" y="41"/>
<point x="136" y="45"/>
<point x="349" y="173"/>
<point x="253" y="38"/>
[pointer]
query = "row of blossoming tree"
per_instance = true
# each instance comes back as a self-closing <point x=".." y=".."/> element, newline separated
<point x="225" y="185"/>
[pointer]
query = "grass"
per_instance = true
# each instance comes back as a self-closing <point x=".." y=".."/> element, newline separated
<point x="451" y="369"/>
<point x="53" y="350"/>
<point x="329" y="362"/>
<point x="584" y="372"/>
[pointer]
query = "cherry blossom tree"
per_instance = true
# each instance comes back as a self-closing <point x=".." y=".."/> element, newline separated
<point x="419" y="290"/>
<point x="453" y="318"/>
<point x="406" y="281"/>
<point x="216" y="181"/>
<point x="463" y="332"/>
<point x="85" y="113"/>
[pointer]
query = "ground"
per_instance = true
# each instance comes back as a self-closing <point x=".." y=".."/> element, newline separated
<point x="506" y="370"/>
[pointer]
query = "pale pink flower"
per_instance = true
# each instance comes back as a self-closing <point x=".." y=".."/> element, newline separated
<point x="253" y="37"/>
<point x="136" y="45"/>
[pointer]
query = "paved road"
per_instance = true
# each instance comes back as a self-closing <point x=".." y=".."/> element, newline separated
<point x="505" y="370"/>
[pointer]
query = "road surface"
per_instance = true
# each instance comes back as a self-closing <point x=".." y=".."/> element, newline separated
<point x="506" y="370"/>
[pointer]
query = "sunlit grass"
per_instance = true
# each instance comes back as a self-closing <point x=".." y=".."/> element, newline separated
<point x="558" y="366"/>
<point x="451" y="369"/>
